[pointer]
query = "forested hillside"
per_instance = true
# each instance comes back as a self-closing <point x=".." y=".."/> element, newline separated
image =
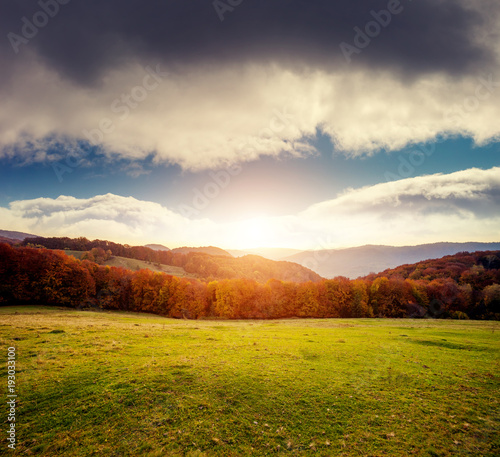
<point x="463" y="286"/>
<point x="478" y="268"/>
<point x="200" y="264"/>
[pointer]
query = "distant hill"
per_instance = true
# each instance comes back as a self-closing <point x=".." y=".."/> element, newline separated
<point x="157" y="247"/>
<point x="237" y="252"/>
<point x="363" y="260"/>
<point x="267" y="253"/>
<point x="211" y="250"/>
<point x="12" y="235"/>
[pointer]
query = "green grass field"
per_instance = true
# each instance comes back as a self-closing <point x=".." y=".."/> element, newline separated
<point x="122" y="384"/>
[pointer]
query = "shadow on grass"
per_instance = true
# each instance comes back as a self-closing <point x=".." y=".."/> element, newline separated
<point x="450" y="345"/>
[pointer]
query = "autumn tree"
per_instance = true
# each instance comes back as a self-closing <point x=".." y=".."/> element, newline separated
<point x="339" y="296"/>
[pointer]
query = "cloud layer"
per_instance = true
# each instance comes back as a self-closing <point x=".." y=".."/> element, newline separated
<point x="462" y="206"/>
<point x="172" y="81"/>
<point x="459" y="207"/>
<point x="418" y="37"/>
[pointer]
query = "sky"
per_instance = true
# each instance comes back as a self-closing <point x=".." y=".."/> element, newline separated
<point x="242" y="124"/>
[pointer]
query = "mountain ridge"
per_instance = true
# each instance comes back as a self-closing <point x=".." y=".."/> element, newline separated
<point x="360" y="261"/>
<point x="352" y="262"/>
<point x="268" y="253"/>
<point x="14" y="235"/>
<point x="211" y="250"/>
<point x="157" y="247"/>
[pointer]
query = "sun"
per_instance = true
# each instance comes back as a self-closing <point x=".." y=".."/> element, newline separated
<point x="256" y="233"/>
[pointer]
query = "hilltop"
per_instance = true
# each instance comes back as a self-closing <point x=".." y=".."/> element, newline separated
<point x="14" y="236"/>
<point x="157" y="247"/>
<point x="211" y="250"/>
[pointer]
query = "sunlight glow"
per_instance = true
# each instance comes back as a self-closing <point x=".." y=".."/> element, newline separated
<point x="255" y="233"/>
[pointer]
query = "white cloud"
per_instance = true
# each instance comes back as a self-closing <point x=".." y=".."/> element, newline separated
<point x="462" y="206"/>
<point x="464" y="189"/>
<point x="112" y="217"/>
<point x="211" y="116"/>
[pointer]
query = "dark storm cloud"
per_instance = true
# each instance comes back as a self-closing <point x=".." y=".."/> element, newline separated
<point x="88" y="37"/>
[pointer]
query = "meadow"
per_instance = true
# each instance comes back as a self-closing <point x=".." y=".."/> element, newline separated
<point x="125" y="384"/>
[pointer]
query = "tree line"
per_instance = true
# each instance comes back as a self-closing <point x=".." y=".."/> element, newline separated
<point x="463" y="286"/>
